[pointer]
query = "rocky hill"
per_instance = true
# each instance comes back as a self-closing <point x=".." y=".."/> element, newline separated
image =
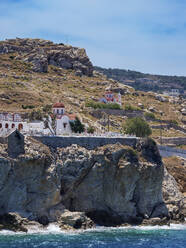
<point x="42" y="53"/>
<point x="156" y="83"/>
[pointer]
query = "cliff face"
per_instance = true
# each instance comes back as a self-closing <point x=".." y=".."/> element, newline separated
<point x="112" y="184"/>
<point x="42" y="53"/>
<point x="31" y="183"/>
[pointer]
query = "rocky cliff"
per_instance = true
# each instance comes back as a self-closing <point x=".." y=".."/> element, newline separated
<point x="41" y="53"/>
<point x="111" y="185"/>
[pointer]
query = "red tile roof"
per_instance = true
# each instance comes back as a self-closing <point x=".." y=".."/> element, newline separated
<point x="58" y="105"/>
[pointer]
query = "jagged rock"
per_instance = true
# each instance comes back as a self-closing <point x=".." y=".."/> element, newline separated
<point x="161" y="98"/>
<point x="155" y="222"/>
<point x="42" y="53"/>
<point x="74" y="220"/>
<point x="14" y="222"/>
<point x="79" y="73"/>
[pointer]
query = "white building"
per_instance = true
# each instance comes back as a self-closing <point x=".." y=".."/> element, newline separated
<point x="10" y="122"/>
<point x="62" y="119"/>
<point x="173" y="92"/>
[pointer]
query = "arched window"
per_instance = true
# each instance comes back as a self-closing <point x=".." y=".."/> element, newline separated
<point x="13" y="125"/>
<point x="20" y="126"/>
<point x="0" y="125"/>
<point x="6" y="125"/>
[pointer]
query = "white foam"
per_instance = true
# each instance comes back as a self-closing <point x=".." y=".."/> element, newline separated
<point x="55" y="229"/>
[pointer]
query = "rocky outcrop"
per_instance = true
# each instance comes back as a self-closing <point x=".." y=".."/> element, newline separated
<point x="74" y="186"/>
<point x="31" y="183"/>
<point x="41" y="53"/>
<point x="14" y="222"/>
<point x="74" y="220"/>
<point x="112" y="182"/>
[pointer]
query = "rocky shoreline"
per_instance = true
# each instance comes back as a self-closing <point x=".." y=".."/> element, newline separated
<point x="70" y="221"/>
<point x="76" y="188"/>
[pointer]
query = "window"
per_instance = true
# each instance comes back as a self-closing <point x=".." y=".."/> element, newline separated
<point x="20" y="126"/>
<point x="13" y="125"/>
<point x="64" y="125"/>
<point x="6" y="125"/>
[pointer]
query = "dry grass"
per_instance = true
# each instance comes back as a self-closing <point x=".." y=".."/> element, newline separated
<point x="20" y="86"/>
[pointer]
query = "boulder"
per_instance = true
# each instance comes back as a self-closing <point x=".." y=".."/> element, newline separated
<point x="14" y="222"/>
<point x="74" y="220"/>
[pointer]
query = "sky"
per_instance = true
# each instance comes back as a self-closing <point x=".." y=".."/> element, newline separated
<point x="142" y="35"/>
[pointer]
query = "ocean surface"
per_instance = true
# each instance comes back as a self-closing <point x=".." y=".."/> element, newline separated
<point x="144" y="237"/>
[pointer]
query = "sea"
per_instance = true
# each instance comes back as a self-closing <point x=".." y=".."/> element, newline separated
<point x="134" y="237"/>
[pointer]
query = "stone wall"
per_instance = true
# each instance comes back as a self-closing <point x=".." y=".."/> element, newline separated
<point x="117" y="112"/>
<point x="168" y="126"/>
<point x="87" y="142"/>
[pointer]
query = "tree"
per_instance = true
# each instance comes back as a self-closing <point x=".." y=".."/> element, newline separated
<point x="90" y="129"/>
<point x="77" y="126"/>
<point x="137" y="126"/>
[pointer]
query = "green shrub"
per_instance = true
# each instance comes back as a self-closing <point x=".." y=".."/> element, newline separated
<point x="90" y="130"/>
<point x="130" y="107"/>
<point x="47" y="108"/>
<point x="77" y="126"/>
<point x="100" y="105"/>
<point x="150" y="116"/>
<point x="137" y="126"/>
<point x="28" y="106"/>
<point x="174" y="122"/>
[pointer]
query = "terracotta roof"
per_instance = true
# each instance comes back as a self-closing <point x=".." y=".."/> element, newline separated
<point x="58" y="105"/>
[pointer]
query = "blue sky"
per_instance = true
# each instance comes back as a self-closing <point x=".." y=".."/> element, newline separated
<point x="143" y="35"/>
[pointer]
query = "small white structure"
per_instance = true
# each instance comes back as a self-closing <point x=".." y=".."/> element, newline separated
<point x="10" y="122"/>
<point x="109" y="97"/>
<point x="62" y="119"/>
<point x="173" y="93"/>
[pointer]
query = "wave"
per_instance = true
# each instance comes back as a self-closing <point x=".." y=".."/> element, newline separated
<point x="55" y="229"/>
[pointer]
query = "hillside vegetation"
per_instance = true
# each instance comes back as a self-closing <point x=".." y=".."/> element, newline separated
<point x="34" y="74"/>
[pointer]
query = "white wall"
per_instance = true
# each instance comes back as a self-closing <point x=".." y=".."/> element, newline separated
<point x="60" y="129"/>
<point x="16" y="125"/>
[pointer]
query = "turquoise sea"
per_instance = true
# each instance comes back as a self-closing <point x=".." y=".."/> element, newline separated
<point x="144" y="237"/>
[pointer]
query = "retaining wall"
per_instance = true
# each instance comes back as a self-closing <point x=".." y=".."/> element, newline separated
<point x="87" y="142"/>
<point x="117" y="112"/>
